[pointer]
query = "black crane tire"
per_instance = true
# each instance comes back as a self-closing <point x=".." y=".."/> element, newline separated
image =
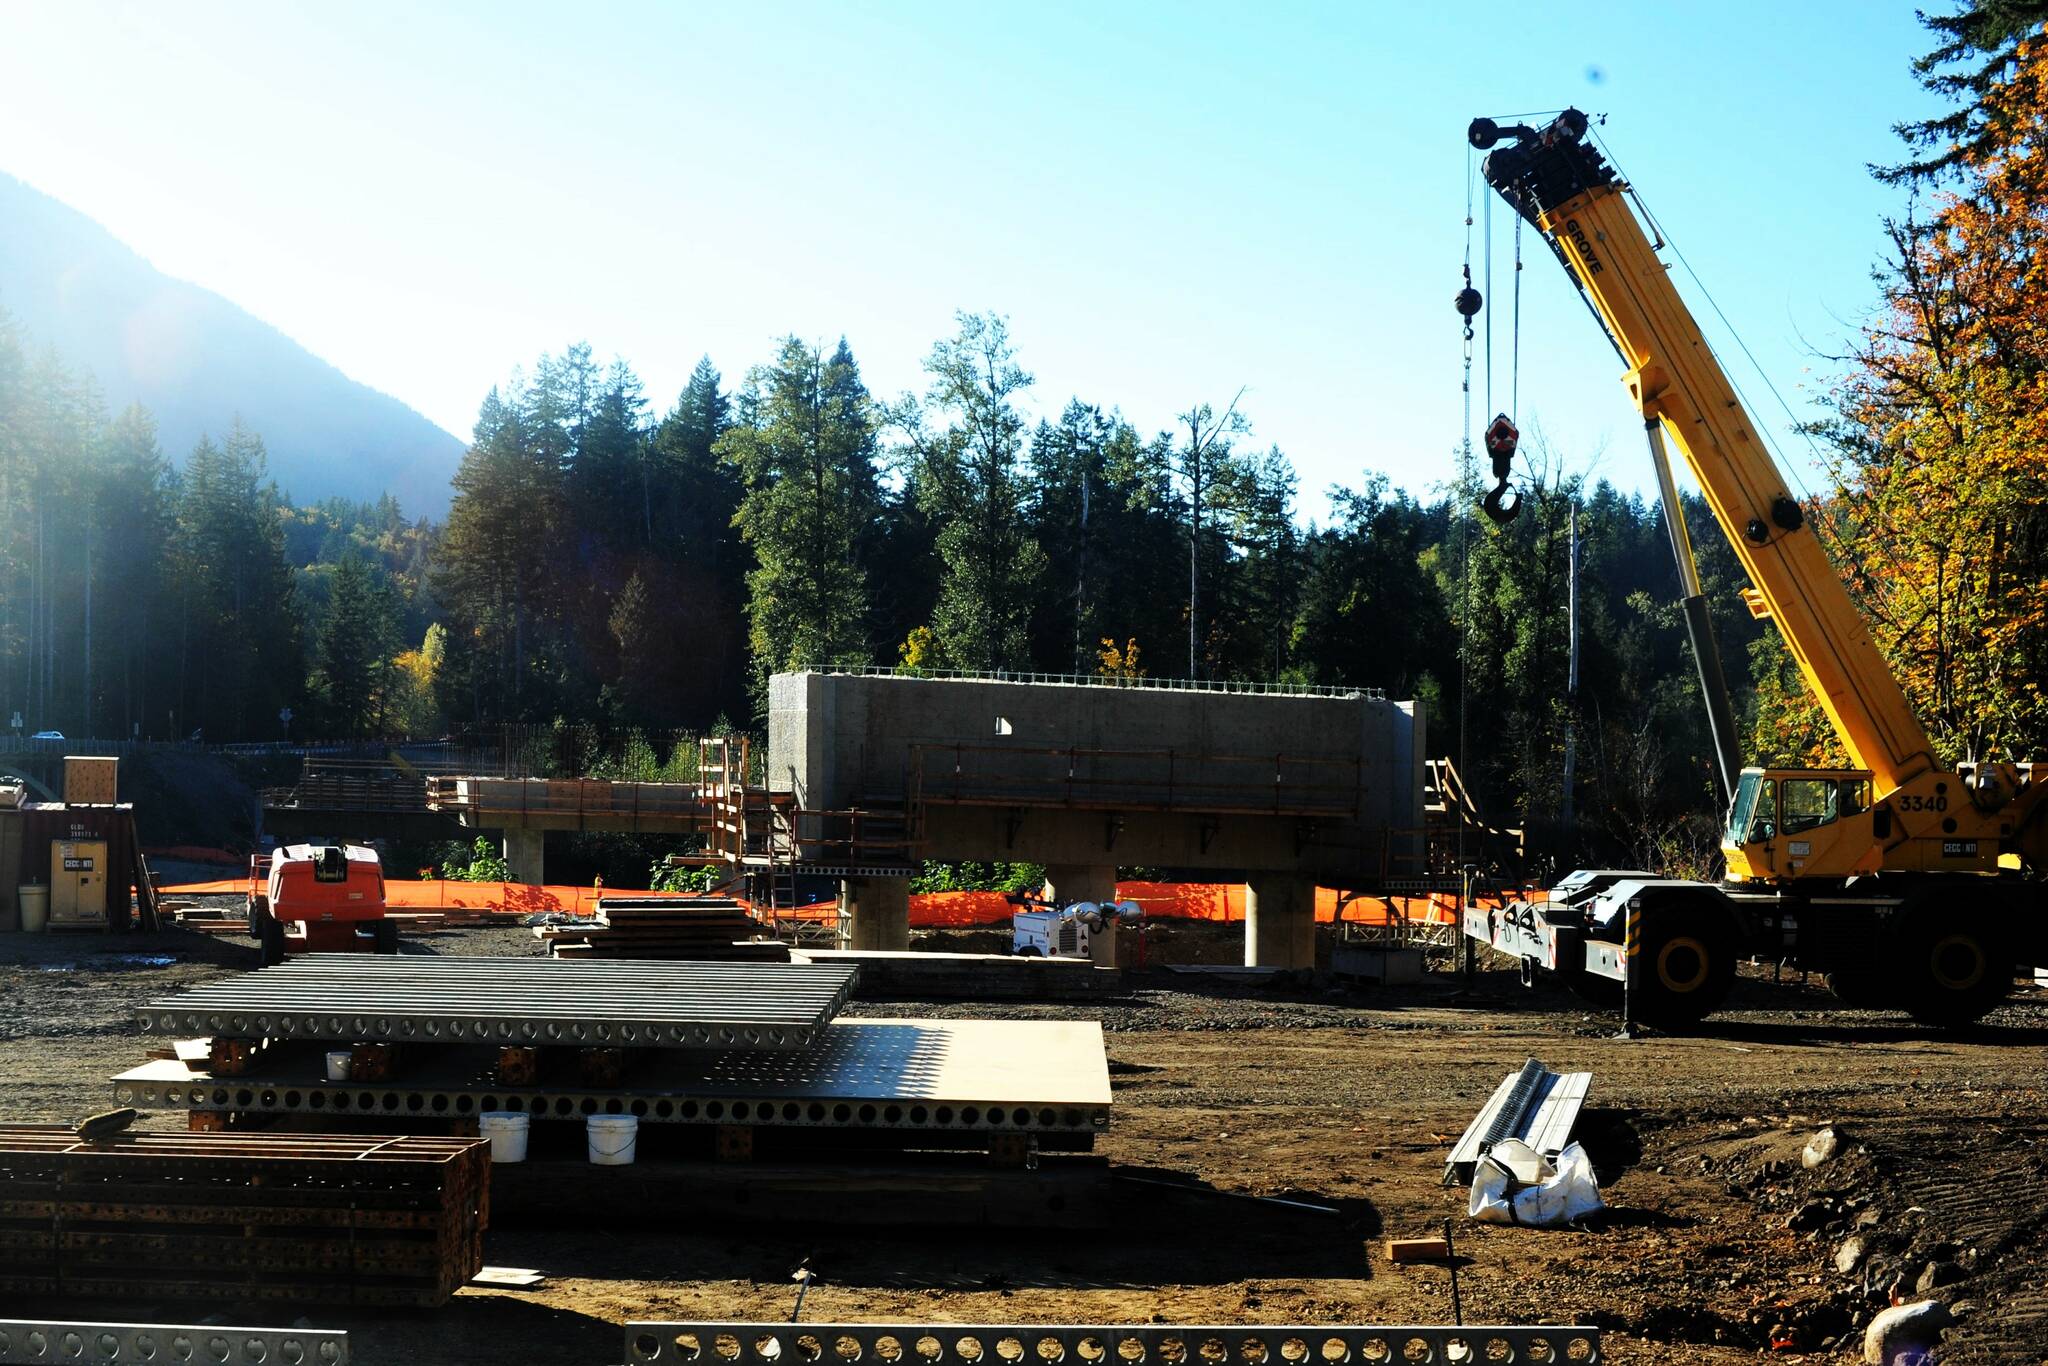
<point x="1686" y="966"/>
<point x="384" y="937"/>
<point x="259" y="911"/>
<point x="1953" y="969"/>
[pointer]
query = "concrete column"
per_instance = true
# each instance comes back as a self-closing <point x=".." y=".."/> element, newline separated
<point x="878" y="912"/>
<point x="525" y="851"/>
<point x="1067" y="883"/>
<point x="1280" y="921"/>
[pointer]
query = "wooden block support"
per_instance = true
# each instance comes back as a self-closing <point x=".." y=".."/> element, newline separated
<point x="735" y="1143"/>
<point x="206" y="1121"/>
<point x="518" y="1065"/>
<point x="1018" y="1151"/>
<point x="1417" y="1249"/>
<point x="603" y="1068"/>
<point x="372" y="1061"/>
<point x="229" y="1057"/>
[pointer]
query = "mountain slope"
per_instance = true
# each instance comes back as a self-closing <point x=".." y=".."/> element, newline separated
<point x="195" y="361"/>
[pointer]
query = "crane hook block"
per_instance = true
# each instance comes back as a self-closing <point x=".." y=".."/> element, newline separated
<point x="1468" y="302"/>
<point x="1501" y="439"/>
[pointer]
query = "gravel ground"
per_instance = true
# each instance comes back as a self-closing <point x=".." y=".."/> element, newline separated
<point x="1717" y="1243"/>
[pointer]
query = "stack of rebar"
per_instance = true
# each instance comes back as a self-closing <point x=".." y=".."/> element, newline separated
<point x="315" y="1218"/>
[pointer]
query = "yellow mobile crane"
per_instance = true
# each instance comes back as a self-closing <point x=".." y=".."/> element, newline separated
<point x="1886" y="876"/>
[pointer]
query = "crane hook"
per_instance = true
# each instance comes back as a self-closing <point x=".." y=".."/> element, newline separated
<point x="1494" y="506"/>
<point x="1501" y="439"/>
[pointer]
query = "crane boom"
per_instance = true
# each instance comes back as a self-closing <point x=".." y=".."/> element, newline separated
<point x="1557" y="180"/>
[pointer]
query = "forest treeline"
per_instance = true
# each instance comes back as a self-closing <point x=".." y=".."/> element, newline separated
<point x="617" y="563"/>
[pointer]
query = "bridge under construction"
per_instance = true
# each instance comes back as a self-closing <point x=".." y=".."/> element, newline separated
<point x="867" y="774"/>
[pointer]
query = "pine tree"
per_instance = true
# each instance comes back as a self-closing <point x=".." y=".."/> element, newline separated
<point x="973" y="486"/>
<point x="354" y="648"/>
<point x="801" y="452"/>
<point x="496" y="571"/>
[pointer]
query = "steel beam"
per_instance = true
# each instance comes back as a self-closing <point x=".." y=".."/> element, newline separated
<point x="348" y="997"/>
<point x="1151" y="1344"/>
<point x="101" y="1344"/>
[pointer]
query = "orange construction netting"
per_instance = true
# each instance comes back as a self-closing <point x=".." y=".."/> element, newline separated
<point x="1214" y="901"/>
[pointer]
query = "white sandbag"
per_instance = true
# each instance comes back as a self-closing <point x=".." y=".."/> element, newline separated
<point x="1502" y="1194"/>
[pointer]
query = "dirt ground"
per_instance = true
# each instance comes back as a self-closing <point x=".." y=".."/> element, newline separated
<point x="1717" y="1245"/>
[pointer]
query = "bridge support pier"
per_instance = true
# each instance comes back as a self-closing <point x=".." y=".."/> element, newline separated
<point x="1280" y="921"/>
<point x="525" y="852"/>
<point x="876" y="912"/>
<point x="1070" y="882"/>
<point x="1067" y="883"/>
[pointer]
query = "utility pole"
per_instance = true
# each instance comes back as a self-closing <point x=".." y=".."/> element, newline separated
<point x="1081" y="574"/>
<point x="1571" y="687"/>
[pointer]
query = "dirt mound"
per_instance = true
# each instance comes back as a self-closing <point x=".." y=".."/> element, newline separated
<point x="1948" y="1211"/>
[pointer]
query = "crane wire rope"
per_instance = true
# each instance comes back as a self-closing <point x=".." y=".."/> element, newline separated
<point x="1515" y="335"/>
<point x="1464" y="500"/>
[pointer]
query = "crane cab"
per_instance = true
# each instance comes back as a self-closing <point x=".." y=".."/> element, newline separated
<point x="1792" y="824"/>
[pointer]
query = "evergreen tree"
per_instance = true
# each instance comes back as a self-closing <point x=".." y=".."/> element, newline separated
<point x="496" y="566"/>
<point x="239" y="645"/>
<point x="972" y="484"/>
<point x="354" y="648"/>
<point x="800" y="449"/>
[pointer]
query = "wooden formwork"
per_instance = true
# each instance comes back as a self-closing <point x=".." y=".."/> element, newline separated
<point x="318" y="1218"/>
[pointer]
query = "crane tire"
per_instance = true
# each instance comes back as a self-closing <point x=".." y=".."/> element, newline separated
<point x="1686" y="966"/>
<point x="259" y="911"/>
<point x="1953" y="969"/>
<point x="384" y="936"/>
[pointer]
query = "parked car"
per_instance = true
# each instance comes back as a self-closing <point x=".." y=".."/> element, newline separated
<point x="47" y="735"/>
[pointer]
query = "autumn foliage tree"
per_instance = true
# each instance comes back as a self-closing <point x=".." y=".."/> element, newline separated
<point x="1940" y="431"/>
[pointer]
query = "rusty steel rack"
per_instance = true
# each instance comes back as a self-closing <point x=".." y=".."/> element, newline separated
<point x="116" y="1344"/>
<point x="353" y="997"/>
<point x="315" y="1218"/>
<point x="1148" y="1344"/>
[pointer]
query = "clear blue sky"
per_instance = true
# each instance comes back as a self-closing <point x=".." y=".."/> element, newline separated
<point x="1168" y="200"/>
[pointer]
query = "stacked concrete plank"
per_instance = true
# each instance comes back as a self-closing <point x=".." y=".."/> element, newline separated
<point x="707" y="928"/>
<point x="185" y="1217"/>
<point x="727" y="1046"/>
<point x="405" y="998"/>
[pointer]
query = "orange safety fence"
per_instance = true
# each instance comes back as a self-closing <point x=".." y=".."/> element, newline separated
<point x="1213" y="901"/>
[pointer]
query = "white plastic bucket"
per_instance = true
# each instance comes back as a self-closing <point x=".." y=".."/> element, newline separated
<point x="34" y="899"/>
<point x="507" y="1131"/>
<point x="612" y="1139"/>
<point x="337" y="1064"/>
